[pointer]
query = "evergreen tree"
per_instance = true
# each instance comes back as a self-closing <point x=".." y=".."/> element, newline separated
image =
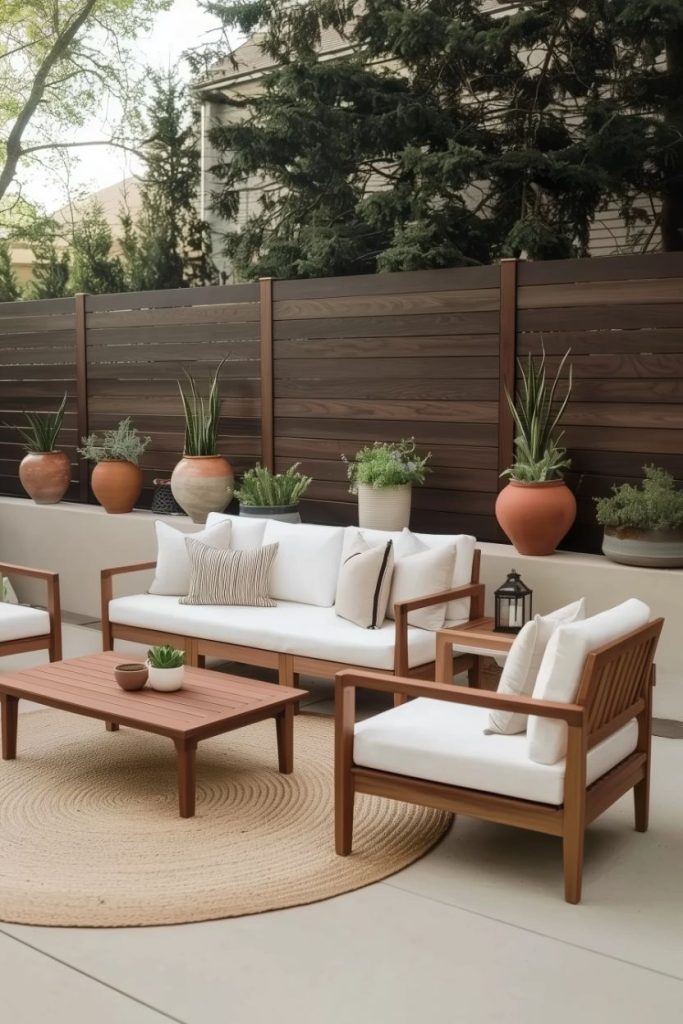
<point x="93" y="268"/>
<point x="9" y="286"/>
<point x="169" y="245"/>
<point x="50" y="266"/>
<point x="488" y="135"/>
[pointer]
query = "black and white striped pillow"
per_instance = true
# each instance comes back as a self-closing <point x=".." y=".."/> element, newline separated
<point x="230" y="577"/>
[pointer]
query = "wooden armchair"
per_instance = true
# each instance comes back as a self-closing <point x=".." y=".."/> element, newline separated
<point x="615" y="687"/>
<point x="31" y="629"/>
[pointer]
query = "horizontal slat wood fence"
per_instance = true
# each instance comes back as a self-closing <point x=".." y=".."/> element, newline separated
<point x="318" y="368"/>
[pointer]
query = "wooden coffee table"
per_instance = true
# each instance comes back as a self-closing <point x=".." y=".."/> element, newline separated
<point x="210" y="703"/>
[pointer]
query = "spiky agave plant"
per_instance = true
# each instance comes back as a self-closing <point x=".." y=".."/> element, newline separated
<point x="42" y="429"/>
<point x="202" y="414"/>
<point x="537" y="414"/>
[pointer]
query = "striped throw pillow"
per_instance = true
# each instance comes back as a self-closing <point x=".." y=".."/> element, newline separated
<point x="230" y="577"/>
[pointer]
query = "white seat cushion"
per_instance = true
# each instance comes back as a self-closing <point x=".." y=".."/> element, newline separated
<point x="289" y="628"/>
<point x="306" y="566"/>
<point x="444" y="742"/>
<point x="562" y="667"/>
<point x="17" y="622"/>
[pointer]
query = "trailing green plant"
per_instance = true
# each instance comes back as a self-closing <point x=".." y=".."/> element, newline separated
<point x="124" y="444"/>
<point x="42" y="429"/>
<point x="387" y="464"/>
<point x="202" y="415"/>
<point x="165" y="656"/>
<point x="537" y="414"/>
<point x="656" y="504"/>
<point x="260" y="487"/>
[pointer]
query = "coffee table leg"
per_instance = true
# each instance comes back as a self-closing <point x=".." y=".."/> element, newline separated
<point x="112" y="726"/>
<point x="187" y="779"/>
<point x="10" y="716"/>
<point x="284" y="723"/>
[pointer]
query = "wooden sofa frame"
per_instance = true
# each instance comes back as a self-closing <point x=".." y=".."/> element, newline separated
<point x="288" y="666"/>
<point x="616" y="686"/>
<point x="52" y="641"/>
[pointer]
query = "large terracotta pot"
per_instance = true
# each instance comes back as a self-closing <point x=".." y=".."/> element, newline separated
<point x="45" y="476"/>
<point x="536" y="516"/>
<point x="202" y="484"/>
<point x="384" y="508"/>
<point x="117" y="485"/>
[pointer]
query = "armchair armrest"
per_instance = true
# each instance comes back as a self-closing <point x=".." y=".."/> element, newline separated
<point x="107" y="591"/>
<point x="118" y="570"/>
<point x="54" y="609"/>
<point x="475" y="591"/>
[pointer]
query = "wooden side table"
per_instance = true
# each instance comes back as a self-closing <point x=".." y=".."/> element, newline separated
<point x="476" y="635"/>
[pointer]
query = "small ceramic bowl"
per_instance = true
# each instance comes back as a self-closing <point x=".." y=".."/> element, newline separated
<point x="131" y="676"/>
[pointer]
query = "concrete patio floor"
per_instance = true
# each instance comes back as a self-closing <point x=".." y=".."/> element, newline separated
<point x="476" y="931"/>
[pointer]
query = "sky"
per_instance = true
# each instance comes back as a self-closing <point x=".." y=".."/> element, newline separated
<point x="184" y="25"/>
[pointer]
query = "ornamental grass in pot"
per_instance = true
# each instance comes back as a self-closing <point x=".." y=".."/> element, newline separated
<point x="117" y="478"/>
<point x="272" y="495"/>
<point x="644" y="525"/>
<point x="382" y="475"/>
<point x="536" y="508"/>
<point x="202" y="481"/>
<point x="44" y="471"/>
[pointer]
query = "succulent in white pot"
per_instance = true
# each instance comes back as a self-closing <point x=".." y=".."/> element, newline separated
<point x="166" y="667"/>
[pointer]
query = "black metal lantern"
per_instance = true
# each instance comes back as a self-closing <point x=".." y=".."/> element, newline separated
<point x="513" y="604"/>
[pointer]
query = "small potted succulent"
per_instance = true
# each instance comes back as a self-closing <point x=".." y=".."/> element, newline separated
<point x="166" y="667"/>
<point x="382" y="475"/>
<point x="644" y="525"/>
<point x="44" y="472"/>
<point x="536" y="508"/>
<point x="202" y="481"/>
<point x="117" y="477"/>
<point x="272" y="495"/>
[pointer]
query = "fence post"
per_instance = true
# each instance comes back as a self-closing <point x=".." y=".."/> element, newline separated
<point x="507" y="353"/>
<point x="81" y="390"/>
<point x="267" y="432"/>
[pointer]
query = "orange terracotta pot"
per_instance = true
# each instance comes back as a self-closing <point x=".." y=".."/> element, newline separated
<point x="536" y="516"/>
<point x="45" y="476"/>
<point x="202" y="484"/>
<point x="117" y="485"/>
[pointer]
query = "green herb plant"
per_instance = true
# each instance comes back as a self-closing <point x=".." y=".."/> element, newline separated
<point x="125" y="444"/>
<point x="656" y="504"/>
<point x="262" y="488"/>
<point x="537" y="414"/>
<point x="202" y="415"/>
<point x="42" y="429"/>
<point x="387" y="464"/>
<point x="165" y="656"/>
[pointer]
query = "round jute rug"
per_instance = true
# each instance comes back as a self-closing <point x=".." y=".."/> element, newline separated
<point x="90" y="834"/>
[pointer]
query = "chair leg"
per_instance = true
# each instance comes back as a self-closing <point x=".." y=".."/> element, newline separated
<point x="474" y="673"/>
<point x="343" y="826"/>
<point x="572" y="851"/>
<point x="641" y="803"/>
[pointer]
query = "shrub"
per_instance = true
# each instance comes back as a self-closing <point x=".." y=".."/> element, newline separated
<point x="123" y="444"/>
<point x="387" y="464"/>
<point x="42" y="429"/>
<point x="260" y="487"/>
<point x="165" y="656"/>
<point x="657" y="504"/>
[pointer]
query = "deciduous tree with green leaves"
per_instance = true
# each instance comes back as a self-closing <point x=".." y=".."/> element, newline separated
<point x="482" y="133"/>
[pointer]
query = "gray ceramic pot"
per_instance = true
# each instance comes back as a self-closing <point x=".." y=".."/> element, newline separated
<point x="656" y="549"/>
<point x="283" y="513"/>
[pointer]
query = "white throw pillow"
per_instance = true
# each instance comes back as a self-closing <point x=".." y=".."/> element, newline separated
<point x="172" y="575"/>
<point x="420" y="570"/>
<point x="306" y="567"/>
<point x="247" y="532"/>
<point x="514" y="680"/>
<point x="364" y="584"/>
<point x="562" y="667"/>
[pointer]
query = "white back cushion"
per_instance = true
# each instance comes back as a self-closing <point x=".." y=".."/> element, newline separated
<point x="456" y="611"/>
<point x="306" y="566"/>
<point x="562" y="666"/>
<point x="420" y="570"/>
<point x="247" y="531"/>
<point x="172" y="574"/>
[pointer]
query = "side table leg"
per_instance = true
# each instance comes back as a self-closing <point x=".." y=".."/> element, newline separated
<point x="10" y="717"/>
<point x="444" y="660"/>
<point x="284" y="724"/>
<point x="187" y="777"/>
<point x="112" y="726"/>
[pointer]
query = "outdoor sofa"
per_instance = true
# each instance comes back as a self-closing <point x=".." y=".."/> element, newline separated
<point x="303" y="633"/>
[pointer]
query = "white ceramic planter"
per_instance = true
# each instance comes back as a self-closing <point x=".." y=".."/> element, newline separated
<point x="384" y="508"/>
<point x="165" y="679"/>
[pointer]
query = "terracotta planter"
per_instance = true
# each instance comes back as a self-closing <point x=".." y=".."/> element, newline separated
<point x="117" y="485"/>
<point x="202" y="484"/>
<point x="536" y="516"/>
<point x="384" y="508"/>
<point x="657" y="549"/>
<point x="45" y="476"/>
